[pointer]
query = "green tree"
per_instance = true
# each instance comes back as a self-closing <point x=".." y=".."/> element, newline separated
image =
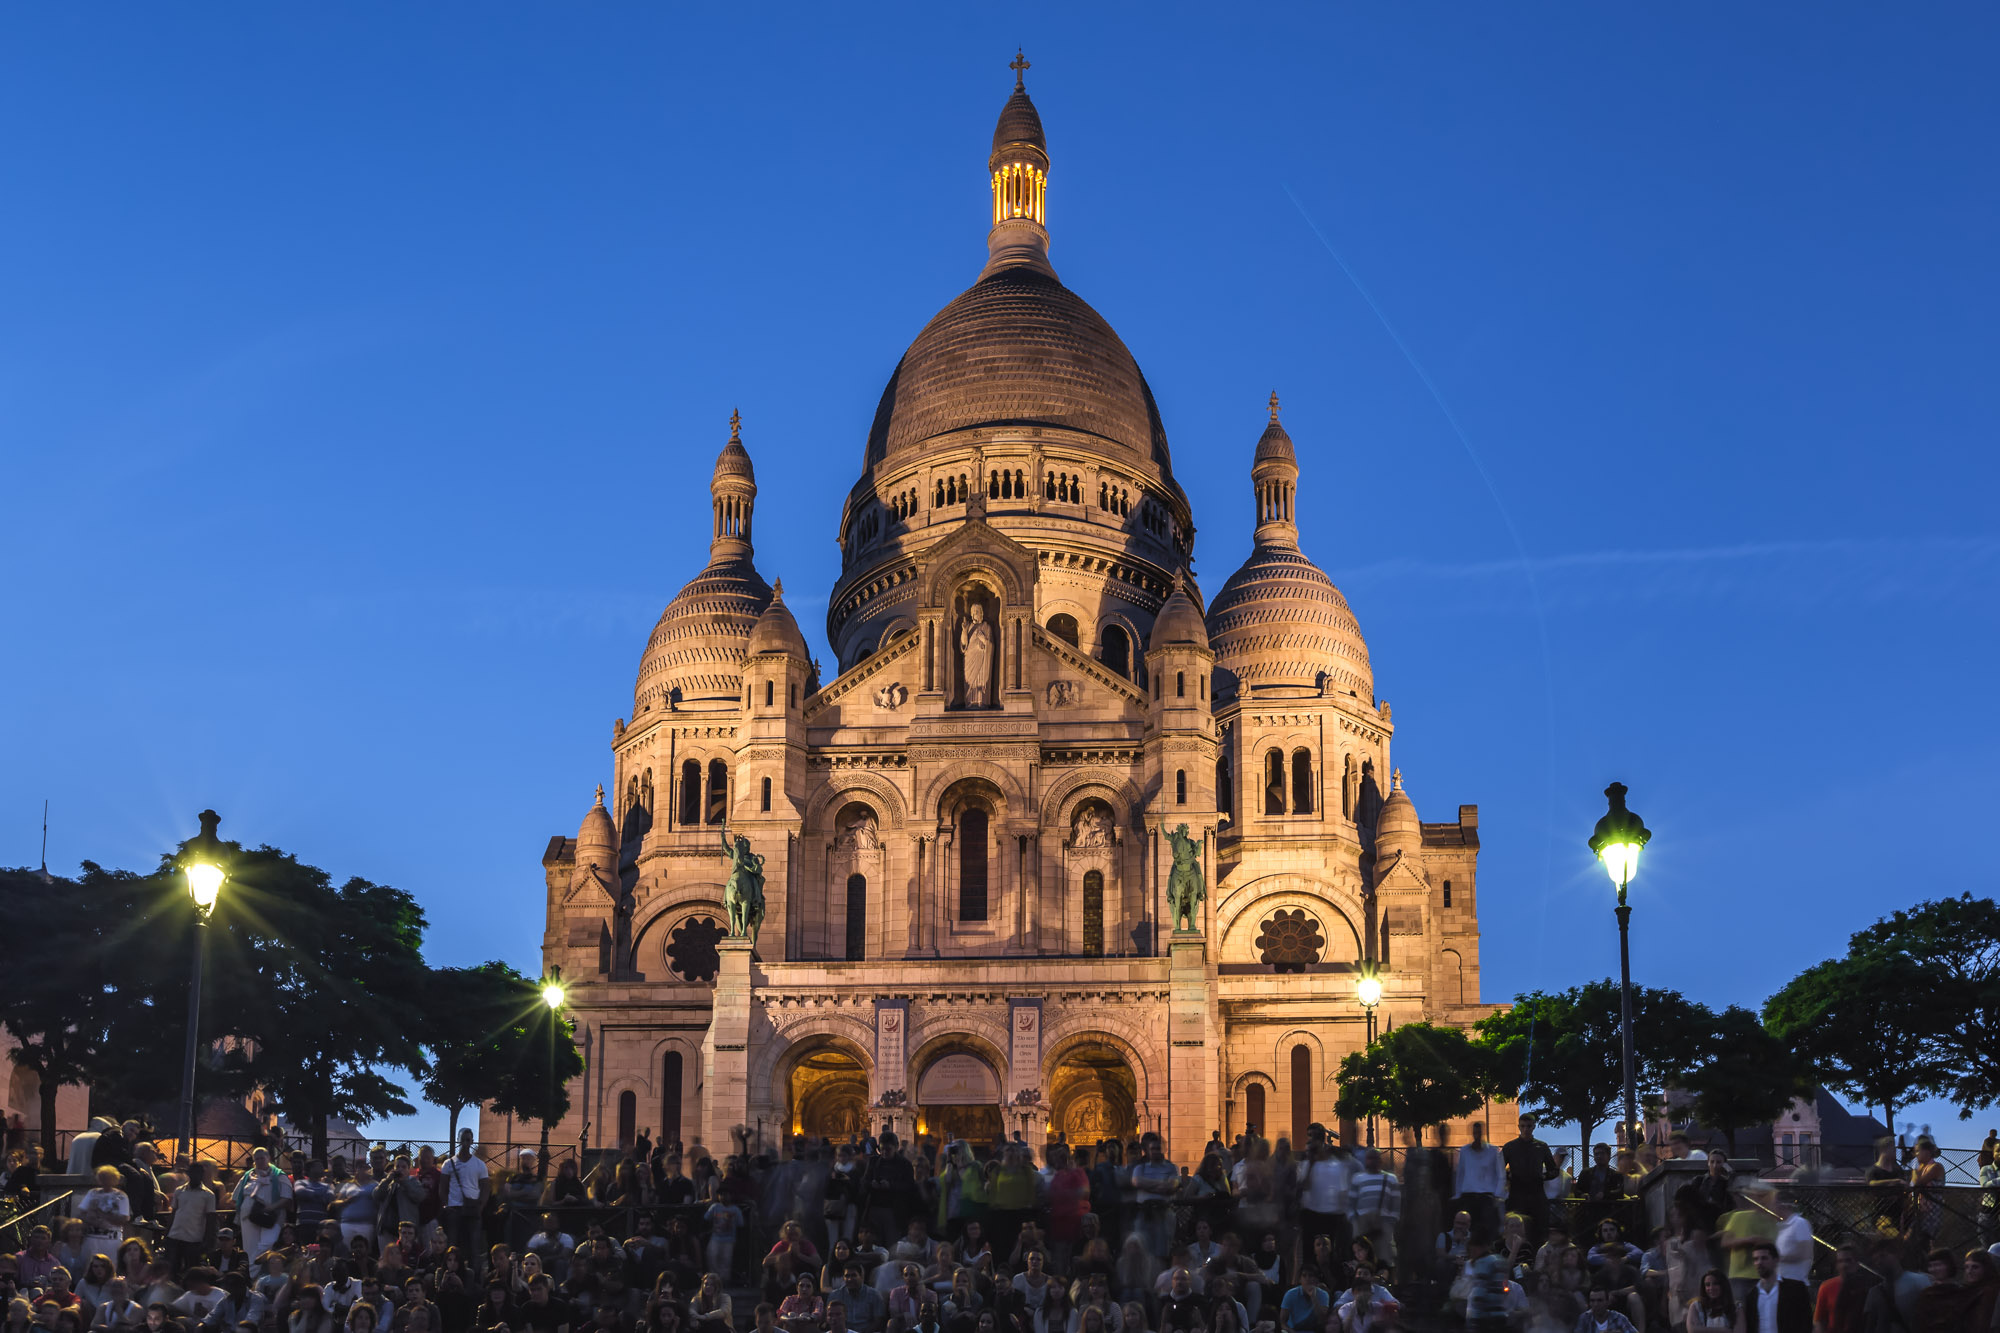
<point x="541" y="1060"/>
<point x="475" y="1021"/>
<point x="312" y="990"/>
<point x="1852" y="1021"/>
<point x="1954" y="946"/>
<point x="1416" y="1076"/>
<point x="53" y="1003"/>
<point x="1561" y="1053"/>
<point x="1745" y="1076"/>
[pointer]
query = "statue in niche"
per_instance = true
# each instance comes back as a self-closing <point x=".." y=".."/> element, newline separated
<point x="891" y="696"/>
<point x="1093" y="828"/>
<point x="1185" y="890"/>
<point x="860" y="834"/>
<point x="975" y="645"/>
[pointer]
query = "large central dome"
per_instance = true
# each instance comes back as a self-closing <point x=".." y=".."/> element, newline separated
<point x="1018" y="348"/>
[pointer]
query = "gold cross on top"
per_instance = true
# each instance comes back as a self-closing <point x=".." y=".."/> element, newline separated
<point x="1020" y="66"/>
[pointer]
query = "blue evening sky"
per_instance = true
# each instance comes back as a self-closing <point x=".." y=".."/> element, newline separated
<point x="362" y="367"/>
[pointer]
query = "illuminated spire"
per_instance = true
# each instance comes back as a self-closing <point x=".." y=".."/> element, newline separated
<point x="1019" y="171"/>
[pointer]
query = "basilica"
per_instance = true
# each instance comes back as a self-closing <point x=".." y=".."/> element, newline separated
<point x="971" y="920"/>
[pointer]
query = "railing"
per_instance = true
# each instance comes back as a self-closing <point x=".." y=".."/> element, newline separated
<point x="13" y="1235"/>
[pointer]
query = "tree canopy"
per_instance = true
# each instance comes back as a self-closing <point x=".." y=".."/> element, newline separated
<point x="1416" y="1076"/>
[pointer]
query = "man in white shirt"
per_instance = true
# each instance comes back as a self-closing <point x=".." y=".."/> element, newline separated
<point x="467" y="1184"/>
<point x="1480" y="1180"/>
<point x="1323" y="1193"/>
<point x="1375" y="1200"/>
<point x="1794" y="1240"/>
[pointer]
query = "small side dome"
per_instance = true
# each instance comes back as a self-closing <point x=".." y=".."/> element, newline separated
<point x="1179" y="620"/>
<point x="596" y="840"/>
<point x="1397" y="828"/>
<point x="776" y="631"/>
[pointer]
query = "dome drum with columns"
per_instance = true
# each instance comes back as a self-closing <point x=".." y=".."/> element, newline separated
<point x="965" y="834"/>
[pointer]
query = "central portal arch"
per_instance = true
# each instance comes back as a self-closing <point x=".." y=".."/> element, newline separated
<point x="1094" y="1094"/>
<point x="958" y="1097"/>
<point x="827" y="1092"/>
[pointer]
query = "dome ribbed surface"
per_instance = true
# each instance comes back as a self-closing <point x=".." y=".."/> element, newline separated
<point x="777" y="632"/>
<point x="700" y="641"/>
<point x="1280" y="621"/>
<point x="734" y="461"/>
<point x="1179" y="621"/>
<point x="1018" y="348"/>
<point x="1019" y="123"/>
<point x="1275" y="446"/>
<point x="1397" y="828"/>
<point x="596" y="837"/>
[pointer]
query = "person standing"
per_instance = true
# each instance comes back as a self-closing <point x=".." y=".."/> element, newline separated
<point x="1480" y="1180"/>
<point x="1375" y="1201"/>
<point x="1794" y="1240"/>
<point x="1155" y="1182"/>
<point x="1775" y="1304"/>
<point x="106" y="1211"/>
<point x="467" y="1185"/>
<point x="194" y="1207"/>
<point x="262" y="1197"/>
<point x="1324" y="1178"/>
<point x="1530" y="1166"/>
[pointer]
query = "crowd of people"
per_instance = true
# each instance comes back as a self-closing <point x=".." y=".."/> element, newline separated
<point x="881" y="1236"/>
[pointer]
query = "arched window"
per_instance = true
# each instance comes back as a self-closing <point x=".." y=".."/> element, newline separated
<point x="1302" y="1091"/>
<point x="993" y="486"/>
<point x="766" y="806"/>
<point x="1225" y="790"/>
<point x="857" y="918"/>
<point x="769" y="687"/>
<point x="1253" y="1109"/>
<point x="937" y="496"/>
<point x="972" y="865"/>
<point x="1093" y="914"/>
<point x="718" y="792"/>
<point x="628" y="1120"/>
<point x="1063" y="626"/>
<point x="670" y="1100"/>
<point x="1302" y="782"/>
<point x="1118" y="650"/>
<point x="1274" y="783"/>
<point x="1451" y="967"/>
<point x="691" y="792"/>
<point x="1180" y="684"/>
<point x="1180" y="786"/>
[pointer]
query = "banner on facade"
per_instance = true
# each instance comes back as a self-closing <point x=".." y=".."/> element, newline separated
<point x="892" y="1021"/>
<point x="1024" y="1045"/>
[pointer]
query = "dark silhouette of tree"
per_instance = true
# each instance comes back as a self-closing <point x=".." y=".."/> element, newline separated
<point x="476" y="1021"/>
<point x="1854" y="1022"/>
<point x="1416" y="1076"/>
<point x="1744" y="1075"/>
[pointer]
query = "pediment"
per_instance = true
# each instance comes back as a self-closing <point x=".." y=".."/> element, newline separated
<point x="1405" y="873"/>
<point x="1092" y="681"/>
<point x="871" y="673"/>
<point x="977" y="546"/>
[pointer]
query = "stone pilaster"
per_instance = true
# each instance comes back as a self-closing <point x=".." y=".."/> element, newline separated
<point x="725" y="1051"/>
<point x="1191" y="1054"/>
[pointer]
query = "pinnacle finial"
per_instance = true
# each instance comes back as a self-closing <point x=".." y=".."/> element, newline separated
<point x="1395" y="779"/>
<point x="778" y="590"/>
<point x="1020" y="67"/>
<point x="1274" y="407"/>
<point x="600" y="793"/>
<point x="735" y="426"/>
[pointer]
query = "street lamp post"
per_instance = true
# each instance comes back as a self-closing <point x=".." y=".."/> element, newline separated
<point x="1616" y="842"/>
<point x="204" y="885"/>
<point x="552" y="996"/>
<point x="1368" y="989"/>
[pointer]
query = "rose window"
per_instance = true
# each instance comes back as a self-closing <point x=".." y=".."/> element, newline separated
<point x="1290" y="941"/>
<point x="691" y="949"/>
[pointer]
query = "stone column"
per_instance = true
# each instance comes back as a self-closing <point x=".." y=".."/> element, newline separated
<point x="725" y="1051"/>
<point x="1191" y="1054"/>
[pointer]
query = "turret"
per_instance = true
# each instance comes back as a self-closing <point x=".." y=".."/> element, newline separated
<point x="1274" y="475"/>
<point x="1180" y="665"/>
<point x="777" y="677"/>
<point x="734" y="489"/>
<point x="1019" y="166"/>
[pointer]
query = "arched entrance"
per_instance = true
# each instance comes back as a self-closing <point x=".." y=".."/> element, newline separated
<point x="958" y="1097"/>
<point x="1093" y="1095"/>
<point x="828" y="1091"/>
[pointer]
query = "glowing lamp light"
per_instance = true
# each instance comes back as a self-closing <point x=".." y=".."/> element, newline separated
<point x="1618" y="838"/>
<point x="1369" y="990"/>
<point x="552" y="989"/>
<point x="204" y="866"/>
